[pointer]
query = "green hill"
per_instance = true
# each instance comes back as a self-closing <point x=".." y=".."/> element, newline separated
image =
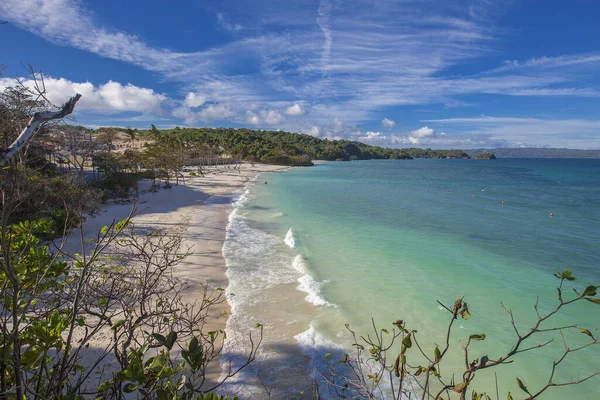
<point x="278" y="147"/>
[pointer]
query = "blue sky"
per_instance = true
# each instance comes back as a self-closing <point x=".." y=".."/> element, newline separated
<point x="427" y="73"/>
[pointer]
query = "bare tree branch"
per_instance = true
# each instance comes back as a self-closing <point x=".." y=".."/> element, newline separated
<point x="31" y="128"/>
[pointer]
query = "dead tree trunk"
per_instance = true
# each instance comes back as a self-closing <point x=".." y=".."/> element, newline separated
<point x="31" y="128"/>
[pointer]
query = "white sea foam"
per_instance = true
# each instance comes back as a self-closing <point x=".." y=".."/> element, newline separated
<point x="290" y="239"/>
<point x="255" y="262"/>
<point x="313" y="343"/>
<point x="316" y="346"/>
<point x="308" y="284"/>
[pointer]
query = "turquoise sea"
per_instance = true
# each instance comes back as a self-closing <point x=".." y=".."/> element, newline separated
<point x="341" y="243"/>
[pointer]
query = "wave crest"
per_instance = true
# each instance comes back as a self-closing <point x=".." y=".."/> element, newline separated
<point x="308" y="284"/>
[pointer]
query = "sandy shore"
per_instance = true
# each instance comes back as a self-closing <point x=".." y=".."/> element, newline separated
<point x="198" y="210"/>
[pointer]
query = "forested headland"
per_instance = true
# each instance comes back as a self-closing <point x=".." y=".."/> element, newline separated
<point x="279" y="147"/>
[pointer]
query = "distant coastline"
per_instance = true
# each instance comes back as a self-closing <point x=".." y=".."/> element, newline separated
<point x="536" y="153"/>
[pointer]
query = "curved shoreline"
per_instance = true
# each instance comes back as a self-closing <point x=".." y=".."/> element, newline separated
<point x="198" y="210"/>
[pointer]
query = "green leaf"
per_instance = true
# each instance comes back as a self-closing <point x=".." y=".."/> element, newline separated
<point x="121" y="225"/>
<point x="104" y="386"/>
<point x="587" y="332"/>
<point x="465" y="312"/>
<point x="566" y="274"/>
<point x="483" y="361"/>
<point x="509" y="397"/>
<point x="181" y="382"/>
<point x="130" y="387"/>
<point x="193" y="345"/>
<point x="104" y="230"/>
<point x="477" y="337"/>
<point x="458" y="304"/>
<point x="460" y="387"/>
<point x="522" y="386"/>
<point x="80" y="321"/>
<point x="595" y="301"/>
<point x="159" y="338"/>
<point x="407" y="342"/>
<point x="590" y="291"/>
<point x="171" y="339"/>
<point x="118" y="324"/>
<point x="437" y="354"/>
<point x="30" y="356"/>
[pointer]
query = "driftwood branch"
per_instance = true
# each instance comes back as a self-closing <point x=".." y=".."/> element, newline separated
<point x="31" y="128"/>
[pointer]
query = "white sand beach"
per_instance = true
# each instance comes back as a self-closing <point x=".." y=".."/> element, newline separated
<point x="197" y="210"/>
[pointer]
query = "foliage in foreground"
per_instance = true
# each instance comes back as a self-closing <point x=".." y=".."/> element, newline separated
<point x="55" y="305"/>
<point x="374" y="370"/>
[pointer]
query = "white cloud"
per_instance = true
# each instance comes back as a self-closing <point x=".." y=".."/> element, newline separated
<point x="215" y="112"/>
<point x="273" y="117"/>
<point x="228" y="25"/>
<point x="572" y="133"/>
<point x="313" y="131"/>
<point x="294" y="110"/>
<point x="109" y="97"/>
<point x="423" y="132"/>
<point x="264" y="117"/>
<point x="388" y="123"/>
<point x="252" y="118"/>
<point x="551" y="62"/>
<point x="194" y="100"/>
<point x="417" y="136"/>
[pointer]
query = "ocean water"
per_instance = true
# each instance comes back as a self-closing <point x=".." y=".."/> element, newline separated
<point x="343" y="243"/>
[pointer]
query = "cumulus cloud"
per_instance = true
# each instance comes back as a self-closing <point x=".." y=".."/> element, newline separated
<point x="264" y="117"/>
<point x="109" y="97"/>
<point x="252" y="118"/>
<point x="388" y="123"/>
<point x="423" y="132"/>
<point x="294" y="110"/>
<point x="417" y="136"/>
<point x="211" y="112"/>
<point x="313" y="131"/>
<point x="194" y="100"/>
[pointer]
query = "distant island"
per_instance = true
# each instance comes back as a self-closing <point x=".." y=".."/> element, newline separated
<point x="486" y="155"/>
<point x="536" y="153"/>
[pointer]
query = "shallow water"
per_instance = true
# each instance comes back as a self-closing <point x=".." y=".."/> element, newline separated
<point x="341" y="243"/>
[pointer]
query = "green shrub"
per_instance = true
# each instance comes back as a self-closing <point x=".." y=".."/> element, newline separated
<point x="148" y="174"/>
<point x="119" y="184"/>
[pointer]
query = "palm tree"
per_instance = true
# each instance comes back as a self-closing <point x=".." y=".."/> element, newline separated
<point x="131" y="133"/>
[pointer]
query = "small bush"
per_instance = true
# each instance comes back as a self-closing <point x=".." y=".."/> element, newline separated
<point x="146" y="174"/>
<point x="119" y="184"/>
<point x="61" y="221"/>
